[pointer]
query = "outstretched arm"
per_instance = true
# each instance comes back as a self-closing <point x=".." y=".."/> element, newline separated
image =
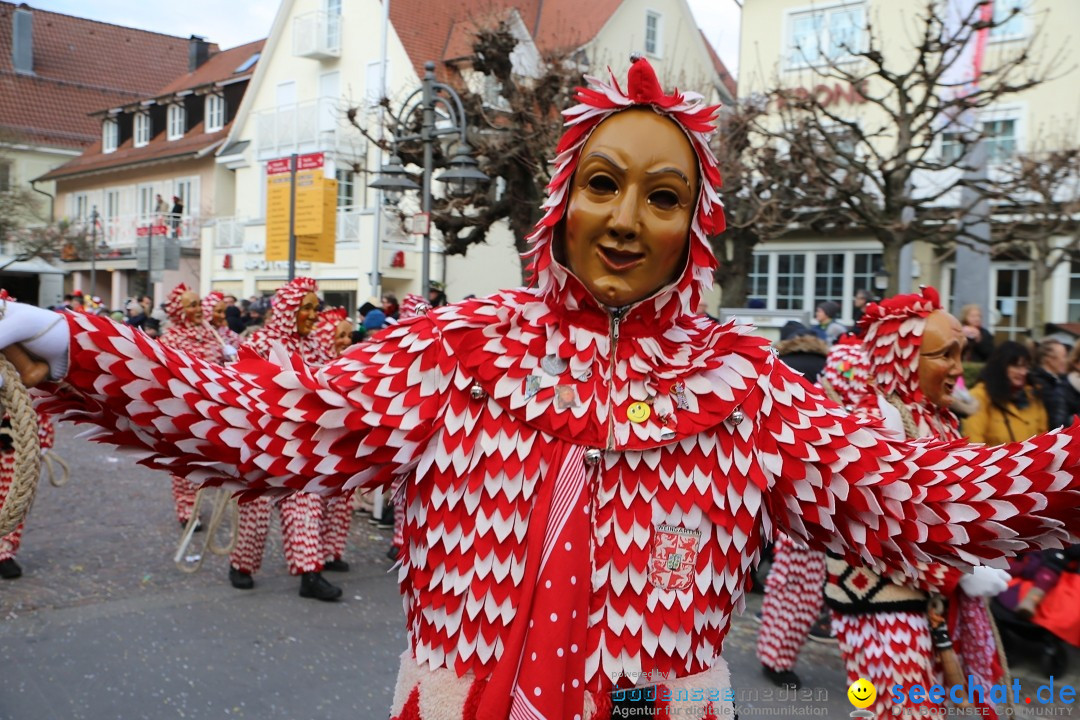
<point x="842" y="484"/>
<point x="260" y="425"/>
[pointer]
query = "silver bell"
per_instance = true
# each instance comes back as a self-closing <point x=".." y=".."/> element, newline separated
<point x="476" y="392"/>
<point x="736" y="416"/>
<point x="592" y="456"/>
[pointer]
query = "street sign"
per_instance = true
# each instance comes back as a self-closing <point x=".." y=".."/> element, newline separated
<point x="156" y="254"/>
<point x="312" y="220"/>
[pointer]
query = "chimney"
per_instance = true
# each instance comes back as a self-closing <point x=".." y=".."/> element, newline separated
<point x="198" y="52"/>
<point x="22" y="40"/>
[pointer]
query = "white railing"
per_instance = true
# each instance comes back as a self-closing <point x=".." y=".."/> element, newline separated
<point x="317" y="35"/>
<point x="317" y="125"/>
<point x="119" y="233"/>
<point x="229" y="231"/>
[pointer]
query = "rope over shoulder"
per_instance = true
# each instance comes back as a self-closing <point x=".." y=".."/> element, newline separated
<point x="24" y="436"/>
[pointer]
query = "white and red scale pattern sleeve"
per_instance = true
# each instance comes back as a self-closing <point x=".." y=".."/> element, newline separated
<point x="846" y="485"/>
<point x="259" y="425"/>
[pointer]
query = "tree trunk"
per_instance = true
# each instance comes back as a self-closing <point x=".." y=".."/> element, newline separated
<point x="734" y="272"/>
<point x="890" y="260"/>
<point x="1040" y="275"/>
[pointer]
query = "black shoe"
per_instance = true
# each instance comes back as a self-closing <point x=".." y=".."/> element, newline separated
<point x="314" y="585"/>
<point x="240" y="579"/>
<point x="821" y="630"/>
<point x="393" y="553"/>
<point x="9" y="569"/>
<point x="336" y="565"/>
<point x="780" y="678"/>
<point x="198" y="525"/>
<point x="383" y="523"/>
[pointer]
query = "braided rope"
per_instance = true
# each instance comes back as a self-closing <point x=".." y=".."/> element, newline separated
<point x="222" y="503"/>
<point x="24" y="435"/>
<point x="50" y="460"/>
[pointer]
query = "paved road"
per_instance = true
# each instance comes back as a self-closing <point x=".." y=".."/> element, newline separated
<point x="103" y="626"/>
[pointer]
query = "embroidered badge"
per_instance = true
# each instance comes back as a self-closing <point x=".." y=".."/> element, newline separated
<point x="674" y="557"/>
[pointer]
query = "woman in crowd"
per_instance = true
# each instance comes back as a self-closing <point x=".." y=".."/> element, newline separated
<point x="1009" y="408"/>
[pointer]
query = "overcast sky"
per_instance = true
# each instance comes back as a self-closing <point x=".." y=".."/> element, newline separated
<point x="234" y="22"/>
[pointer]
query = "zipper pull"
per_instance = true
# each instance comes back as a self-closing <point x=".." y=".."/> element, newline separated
<point x="615" y="327"/>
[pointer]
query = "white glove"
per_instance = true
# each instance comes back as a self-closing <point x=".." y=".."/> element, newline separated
<point x="985" y="582"/>
<point x="229" y="352"/>
<point x="43" y="333"/>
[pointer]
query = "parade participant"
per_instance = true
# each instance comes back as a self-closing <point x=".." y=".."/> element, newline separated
<point x="884" y="622"/>
<point x="793" y="599"/>
<point x="213" y="306"/>
<point x="334" y="332"/>
<point x="291" y="329"/>
<point x="590" y="467"/>
<point x="188" y="332"/>
<point x="844" y="378"/>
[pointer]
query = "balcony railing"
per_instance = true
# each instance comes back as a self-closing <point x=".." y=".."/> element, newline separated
<point x="317" y="35"/>
<point x="229" y="231"/>
<point x="119" y="233"/>
<point x="318" y="125"/>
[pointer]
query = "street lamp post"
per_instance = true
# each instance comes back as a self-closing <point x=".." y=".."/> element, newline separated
<point x="462" y="176"/>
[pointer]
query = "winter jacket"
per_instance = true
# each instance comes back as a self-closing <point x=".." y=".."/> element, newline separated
<point x="991" y="426"/>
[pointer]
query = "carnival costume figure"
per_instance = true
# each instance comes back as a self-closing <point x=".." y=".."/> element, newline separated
<point x="189" y="333"/>
<point x="590" y="467"/>
<point x="213" y="306"/>
<point x="288" y="333"/>
<point x="889" y="630"/>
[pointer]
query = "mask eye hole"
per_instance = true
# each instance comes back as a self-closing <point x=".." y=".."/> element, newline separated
<point x="664" y="200"/>
<point x="603" y="184"/>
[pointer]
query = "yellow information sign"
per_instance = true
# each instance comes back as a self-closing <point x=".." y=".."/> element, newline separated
<point x="316" y="209"/>
<point x="319" y="247"/>
<point x="277" y="217"/>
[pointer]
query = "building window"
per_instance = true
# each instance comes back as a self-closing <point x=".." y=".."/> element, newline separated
<point x="80" y="206"/>
<point x="653" y="44"/>
<point x="999" y="137"/>
<point x="866" y="266"/>
<point x="110" y="136"/>
<point x="1010" y="13"/>
<point x="177" y="122"/>
<point x="790" y="279"/>
<point x="829" y="277"/>
<point x="758" y="286"/>
<point x="818" y="37"/>
<point x="1012" y="296"/>
<point x="215" y="113"/>
<point x="142" y="129"/>
<point x="1074" y="291"/>
<point x="346" y="186"/>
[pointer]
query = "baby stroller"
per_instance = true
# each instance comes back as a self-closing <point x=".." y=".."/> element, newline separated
<point x="1037" y="614"/>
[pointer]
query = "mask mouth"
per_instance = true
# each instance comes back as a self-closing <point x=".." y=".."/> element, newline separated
<point x="620" y="260"/>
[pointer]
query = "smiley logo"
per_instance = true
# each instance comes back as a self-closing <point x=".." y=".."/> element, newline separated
<point x="862" y="693"/>
<point x="638" y="412"/>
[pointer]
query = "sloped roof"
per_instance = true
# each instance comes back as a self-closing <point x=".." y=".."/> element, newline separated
<point x="79" y="66"/>
<point x="721" y="69"/>
<point x="219" y="67"/>
<point x="441" y="30"/>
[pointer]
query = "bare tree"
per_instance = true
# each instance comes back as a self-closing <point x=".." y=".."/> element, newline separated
<point x="769" y="190"/>
<point x="514" y="126"/>
<point x="1036" y="205"/>
<point x="885" y="169"/>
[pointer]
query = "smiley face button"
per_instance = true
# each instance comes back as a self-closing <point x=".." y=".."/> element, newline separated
<point x="862" y="693"/>
<point x="638" y="412"/>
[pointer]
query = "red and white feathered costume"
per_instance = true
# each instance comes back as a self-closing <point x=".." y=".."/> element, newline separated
<point x="882" y="625"/>
<point x="845" y="377"/>
<point x="337" y="511"/>
<point x="302" y="512"/>
<point x="199" y="340"/>
<point x="228" y="336"/>
<point x="552" y="544"/>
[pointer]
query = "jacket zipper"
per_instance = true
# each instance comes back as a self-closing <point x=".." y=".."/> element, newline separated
<point x="615" y="318"/>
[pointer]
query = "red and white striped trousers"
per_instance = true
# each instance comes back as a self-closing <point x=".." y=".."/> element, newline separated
<point x="301" y="530"/>
<point x="793" y="600"/>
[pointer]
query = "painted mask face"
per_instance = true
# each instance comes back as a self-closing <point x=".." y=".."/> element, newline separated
<point x="940" y="358"/>
<point x="343" y="336"/>
<point x="217" y="316"/>
<point x="189" y="301"/>
<point x="307" y="314"/>
<point x="631" y="203"/>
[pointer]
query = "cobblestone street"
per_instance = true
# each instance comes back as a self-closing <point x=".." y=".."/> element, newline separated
<point x="103" y="625"/>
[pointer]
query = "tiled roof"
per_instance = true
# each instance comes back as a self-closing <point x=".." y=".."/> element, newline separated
<point x="721" y="69"/>
<point x="219" y="67"/>
<point x="438" y="30"/>
<point x="79" y="66"/>
<point x="194" y="142"/>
